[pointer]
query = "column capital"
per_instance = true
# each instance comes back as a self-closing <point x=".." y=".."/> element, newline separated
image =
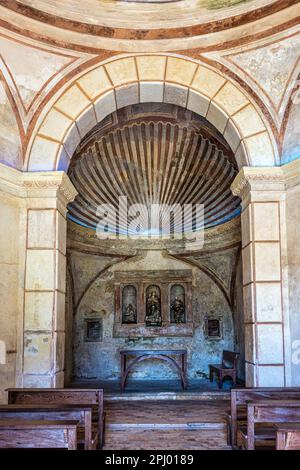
<point x="49" y="184"/>
<point x="257" y="179"/>
<point x="52" y="187"/>
<point x="251" y="179"/>
<point x="259" y="183"/>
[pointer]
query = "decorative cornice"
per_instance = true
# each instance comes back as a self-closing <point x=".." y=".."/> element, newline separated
<point x="291" y="173"/>
<point x="51" y="184"/>
<point x="258" y="179"/>
<point x="10" y="180"/>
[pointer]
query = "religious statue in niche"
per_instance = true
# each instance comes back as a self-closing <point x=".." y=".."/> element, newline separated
<point x="129" y="305"/>
<point x="153" y="306"/>
<point x="177" y="304"/>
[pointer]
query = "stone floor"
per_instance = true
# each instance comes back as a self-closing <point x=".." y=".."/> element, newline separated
<point x="167" y="425"/>
<point x="158" y="389"/>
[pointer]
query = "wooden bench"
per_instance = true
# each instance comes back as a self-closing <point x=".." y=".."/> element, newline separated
<point x="80" y="413"/>
<point x="38" y="434"/>
<point x="267" y="413"/>
<point x="239" y="398"/>
<point x="227" y="368"/>
<point x="287" y="436"/>
<point x="61" y="396"/>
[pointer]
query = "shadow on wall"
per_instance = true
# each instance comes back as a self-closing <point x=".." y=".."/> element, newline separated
<point x="2" y="353"/>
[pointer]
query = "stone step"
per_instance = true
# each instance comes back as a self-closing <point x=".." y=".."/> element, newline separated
<point x="165" y="439"/>
<point x="169" y="396"/>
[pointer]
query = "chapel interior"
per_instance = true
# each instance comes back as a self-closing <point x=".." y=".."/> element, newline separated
<point x="121" y="121"/>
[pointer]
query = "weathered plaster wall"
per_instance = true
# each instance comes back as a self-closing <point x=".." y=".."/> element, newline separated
<point x="293" y="236"/>
<point x="291" y="145"/>
<point x="9" y="288"/>
<point x="10" y="144"/>
<point x="101" y="360"/>
<point x="238" y="318"/>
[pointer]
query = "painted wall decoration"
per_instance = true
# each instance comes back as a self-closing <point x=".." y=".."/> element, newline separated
<point x="218" y="4"/>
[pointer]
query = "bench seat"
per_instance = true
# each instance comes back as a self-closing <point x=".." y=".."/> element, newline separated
<point x="265" y="436"/>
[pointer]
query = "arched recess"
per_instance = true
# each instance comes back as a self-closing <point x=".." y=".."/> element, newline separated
<point x="123" y="81"/>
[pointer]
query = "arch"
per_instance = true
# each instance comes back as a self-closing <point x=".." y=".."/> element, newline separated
<point x="134" y="79"/>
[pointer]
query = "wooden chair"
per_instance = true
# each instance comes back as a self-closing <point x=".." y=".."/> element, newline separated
<point x="267" y="413"/>
<point x="239" y="398"/>
<point x="61" y="396"/>
<point x="80" y="413"/>
<point x="288" y="436"/>
<point x="227" y="368"/>
<point x="38" y="434"/>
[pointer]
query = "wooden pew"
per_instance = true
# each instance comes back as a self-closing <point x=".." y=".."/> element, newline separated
<point x="80" y="413"/>
<point x="239" y="398"/>
<point x="227" y="368"/>
<point x="38" y="434"/>
<point x="287" y="436"/>
<point x="61" y="396"/>
<point x="267" y="413"/>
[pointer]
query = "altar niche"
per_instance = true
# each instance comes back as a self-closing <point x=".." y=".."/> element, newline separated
<point x="129" y="305"/>
<point x="177" y="304"/>
<point x="153" y="303"/>
<point x="153" y="306"/>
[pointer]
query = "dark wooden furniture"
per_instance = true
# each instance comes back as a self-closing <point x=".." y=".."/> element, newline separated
<point x="239" y="398"/>
<point x="287" y="436"/>
<point x="226" y="369"/>
<point x="80" y="413"/>
<point x="62" y="396"/>
<point x="38" y="434"/>
<point x="267" y="413"/>
<point x="164" y="354"/>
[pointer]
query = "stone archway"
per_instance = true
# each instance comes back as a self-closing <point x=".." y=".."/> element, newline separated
<point x="150" y="78"/>
<point x="169" y="79"/>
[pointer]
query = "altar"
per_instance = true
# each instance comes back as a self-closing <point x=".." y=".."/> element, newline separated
<point x="164" y="354"/>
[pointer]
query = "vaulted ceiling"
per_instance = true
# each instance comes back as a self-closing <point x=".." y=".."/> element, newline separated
<point x="138" y="13"/>
<point x="140" y="25"/>
<point x="154" y="154"/>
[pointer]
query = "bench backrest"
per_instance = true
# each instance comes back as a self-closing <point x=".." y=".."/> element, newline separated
<point x="240" y="396"/>
<point x="274" y="411"/>
<point x="53" y="395"/>
<point x="80" y="413"/>
<point x="288" y="436"/>
<point x="57" y="396"/>
<point x="270" y="411"/>
<point x="71" y="396"/>
<point x="38" y="434"/>
<point x="229" y="359"/>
